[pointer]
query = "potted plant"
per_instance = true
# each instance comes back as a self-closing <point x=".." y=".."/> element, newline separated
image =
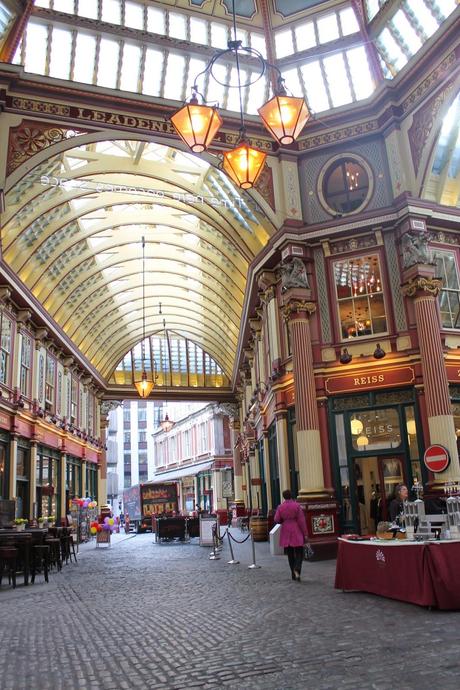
<point x="51" y="520"/>
<point x="41" y="522"/>
<point x="20" y="524"/>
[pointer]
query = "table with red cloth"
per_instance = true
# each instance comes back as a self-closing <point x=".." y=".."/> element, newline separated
<point x="424" y="573"/>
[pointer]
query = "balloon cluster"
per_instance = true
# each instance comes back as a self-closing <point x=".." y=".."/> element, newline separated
<point x="85" y="502"/>
<point x="109" y="525"/>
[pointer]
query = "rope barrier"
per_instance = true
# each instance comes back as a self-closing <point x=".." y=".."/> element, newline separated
<point x="218" y="541"/>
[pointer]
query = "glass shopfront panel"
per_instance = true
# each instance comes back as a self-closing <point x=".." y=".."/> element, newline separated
<point x="91" y="481"/>
<point x="274" y="467"/>
<point x="293" y="452"/>
<point x="3" y="470"/>
<point x="73" y="479"/>
<point x="377" y="444"/>
<point x="48" y="482"/>
<point x="22" y="479"/>
<point x="263" y="484"/>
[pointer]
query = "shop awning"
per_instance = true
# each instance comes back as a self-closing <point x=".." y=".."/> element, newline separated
<point x="180" y="472"/>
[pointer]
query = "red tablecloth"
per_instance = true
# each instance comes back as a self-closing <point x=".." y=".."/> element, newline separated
<point x="444" y="566"/>
<point x="424" y="574"/>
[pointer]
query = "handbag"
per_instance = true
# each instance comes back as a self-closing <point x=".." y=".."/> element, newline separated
<point x="308" y="552"/>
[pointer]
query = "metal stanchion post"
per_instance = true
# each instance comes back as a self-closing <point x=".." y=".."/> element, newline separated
<point x="232" y="562"/>
<point x="214" y="555"/>
<point x="253" y="565"/>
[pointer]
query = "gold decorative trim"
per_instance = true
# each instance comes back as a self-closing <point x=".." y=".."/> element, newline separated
<point x="296" y="306"/>
<point x="420" y="284"/>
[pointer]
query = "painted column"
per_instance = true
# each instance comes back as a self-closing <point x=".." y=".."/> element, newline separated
<point x="33" y="479"/>
<point x="13" y="466"/>
<point x="283" y="452"/>
<point x="267" y="472"/>
<point x="424" y="290"/>
<point x="237" y="469"/>
<point x="255" y="477"/>
<point x="63" y="469"/>
<point x="297" y="312"/>
<point x="83" y="478"/>
<point x="196" y="491"/>
<point x="217" y="490"/>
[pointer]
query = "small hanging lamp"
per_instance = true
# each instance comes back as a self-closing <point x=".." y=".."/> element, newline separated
<point x="167" y="424"/>
<point x="284" y="116"/>
<point x="244" y="164"/>
<point x="143" y="380"/>
<point x="197" y="124"/>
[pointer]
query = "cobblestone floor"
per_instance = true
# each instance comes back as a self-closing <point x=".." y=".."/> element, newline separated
<point x="184" y="622"/>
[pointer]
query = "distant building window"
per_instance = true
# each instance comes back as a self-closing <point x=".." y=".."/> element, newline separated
<point x="50" y="382"/>
<point x="449" y="298"/>
<point x="345" y="185"/>
<point x="26" y="361"/>
<point x="5" y="347"/>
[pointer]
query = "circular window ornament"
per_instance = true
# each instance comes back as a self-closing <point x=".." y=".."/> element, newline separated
<point x="345" y="184"/>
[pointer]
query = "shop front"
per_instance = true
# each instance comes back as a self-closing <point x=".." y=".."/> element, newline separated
<point x="73" y="480"/>
<point x="22" y="478"/>
<point x="376" y="444"/>
<point x="4" y="463"/>
<point x="48" y="482"/>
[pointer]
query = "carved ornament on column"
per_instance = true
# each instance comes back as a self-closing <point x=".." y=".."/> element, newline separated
<point x="293" y="274"/>
<point x="420" y="285"/>
<point x="266" y="279"/>
<point x="231" y="410"/>
<point x="297" y="307"/>
<point x="109" y="405"/>
<point x="415" y="248"/>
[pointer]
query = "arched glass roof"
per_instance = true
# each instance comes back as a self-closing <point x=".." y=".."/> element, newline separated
<point x="323" y="48"/>
<point x="72" y="231"/>
<point x="443" y="183"/>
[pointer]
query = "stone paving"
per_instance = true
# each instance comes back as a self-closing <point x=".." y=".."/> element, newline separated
<point x="183" y="623"/>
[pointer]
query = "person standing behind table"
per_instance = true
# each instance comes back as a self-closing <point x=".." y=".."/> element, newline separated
<point x="293" y="532"/>
<point x="396" y="505"/>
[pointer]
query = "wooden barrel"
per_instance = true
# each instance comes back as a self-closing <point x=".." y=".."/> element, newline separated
<point x="259" y="527"/>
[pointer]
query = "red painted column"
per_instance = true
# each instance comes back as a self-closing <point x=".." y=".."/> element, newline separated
<point x="424" y="290"/>
<point x="311" y="477"/>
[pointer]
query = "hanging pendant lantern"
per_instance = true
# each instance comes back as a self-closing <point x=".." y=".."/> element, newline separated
<point x="145" y="385"/>
<point x="196" y="124"/>
<point x="284" y="116"/>
<point x="244" y="165"/>
<point x="167" y="424"/>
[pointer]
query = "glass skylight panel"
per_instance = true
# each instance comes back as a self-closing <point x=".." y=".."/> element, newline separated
<point x="87" y="8"/>
<point x="36" y="47"/>
<point x="305" y="36"/>
<point x="154" y="60"/>
<point x="216" y="92"/>
<point x="328" y="29"/>
<point x="175" y="70"/>
<point x="130" y="67"/>
<point x="42" y="3"/>
<point x="242" y="36"/>
<point x="257" y="94"/>
<point x="424" y="16"/>
<point x="258" y="42"/>
<point x="219" y="35"/>
<point x="337" y="78"/>
<point x="156" y="21"/>
<point x="394" y="52"/>
<point x="199" y="31"/>
<point x="5" y="18"/>
<point x="317" y="95"/>
<point x="445" y="6"/>
<point x="195" y="67"/>
<point x="134" y="15"/>
<point x="348" y="21"/>
<point x="177" y="25"/>
<point x="85" y="54"/>
<point x="363" y="83"/>
<point x="108" y="63"/>
<point x="284" y="44"/>
<point x="408" y="34"/>
<point x="67" y="6"/>
<point x="373" y="7"/>
<point x="233" y="98"/>
<point x="61" y="44"/>
<point x="111" y="11"/>
<point x="292" y="81"/>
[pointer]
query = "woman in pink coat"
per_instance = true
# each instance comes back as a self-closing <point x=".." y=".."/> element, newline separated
<point x="293" y="532"/>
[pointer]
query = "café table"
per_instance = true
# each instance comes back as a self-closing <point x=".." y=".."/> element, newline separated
<point x="423" y="573"/>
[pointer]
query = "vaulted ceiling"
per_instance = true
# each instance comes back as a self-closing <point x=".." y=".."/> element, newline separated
<point x="77" y="245"/>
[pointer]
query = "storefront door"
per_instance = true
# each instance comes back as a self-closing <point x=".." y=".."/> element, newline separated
<point x="375" y="479"/>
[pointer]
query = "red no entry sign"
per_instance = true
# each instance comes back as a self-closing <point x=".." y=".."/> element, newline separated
<point x="436" y="458"/>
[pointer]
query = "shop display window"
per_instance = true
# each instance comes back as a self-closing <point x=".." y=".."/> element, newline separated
<point x="360" y="300"/>
<point x="5" y="347"/>
<point x="375" y="430"/>
<point x="26" y="363"/>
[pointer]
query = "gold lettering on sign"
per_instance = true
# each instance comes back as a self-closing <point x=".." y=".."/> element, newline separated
<point x="366" y="380"/>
